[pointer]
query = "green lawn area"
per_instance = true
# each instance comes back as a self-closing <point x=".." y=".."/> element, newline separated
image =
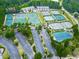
<point x="6" y="54"/>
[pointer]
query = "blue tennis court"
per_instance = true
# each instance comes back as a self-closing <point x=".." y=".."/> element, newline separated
<point x="58" y="17"/>
<point x="33" y="18"/>
<point x="9" y="19"/>
<point x="60" y="36"/>
<point x="20" y="18"/>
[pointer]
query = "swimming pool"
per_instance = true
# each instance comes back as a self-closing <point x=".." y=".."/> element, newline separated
<point x="9" y="19"/>
<point x="20" y="18"/>
<point x="58" y="17"/>
<point x="33" y="18"/>
<point x="60" y="36"/>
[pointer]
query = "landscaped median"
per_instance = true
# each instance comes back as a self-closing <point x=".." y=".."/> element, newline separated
<point x="69" y="16"/>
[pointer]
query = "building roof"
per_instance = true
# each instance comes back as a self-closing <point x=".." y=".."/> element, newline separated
<point x="42" y="7"/>
<point x="45" y="13"/>
<point x="48" y="18"/>
<point x="55" y="12"/>
<point x="28" y="8"/>
<point x="66" y="24"/>
<point x="58" y="26"/>
<point x="56" y="0"/>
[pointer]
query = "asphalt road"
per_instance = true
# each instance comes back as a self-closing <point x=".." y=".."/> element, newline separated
<point x="13" y="52"/>
<point x="47" y="41"/>
<point x="26" y="46"/>
<point x="37" y="41"/>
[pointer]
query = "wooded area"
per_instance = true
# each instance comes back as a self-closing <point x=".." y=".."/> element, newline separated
<point x="71" y="5"/>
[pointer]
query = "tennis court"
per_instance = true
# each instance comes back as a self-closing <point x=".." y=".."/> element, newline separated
<point x="20" y="18"/>
<point x="33" y="18"/>
<point x="9" y="19"/>
<point x="58" y="17"/>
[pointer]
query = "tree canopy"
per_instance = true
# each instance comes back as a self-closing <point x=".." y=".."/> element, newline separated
<point x="38" y="56"/>
<point x="71" y="5"/>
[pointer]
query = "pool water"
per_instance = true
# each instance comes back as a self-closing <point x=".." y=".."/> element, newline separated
<point x="60" y="36"/>
<point x="20" y="18"/>
<point x="33" y="18"/>
<point x="9" y="19"/>
<point x="59" y="17"/>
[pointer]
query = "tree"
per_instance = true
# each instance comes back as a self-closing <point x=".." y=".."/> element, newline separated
<point x="50" y="54"/>
<point x="24" y="56"/>
<point x="25" y="30"/>
<point x="16" y="42"/>
<point x="53" y="43"/>
<point x="66" y="43"/>
<point x="59" y="50"/>
<point x="71" y="5"/>
<point x="66" y="51"/>
<point x="38" y="56"/>
<point x="75" y="30"/>
<point x="2" y="16"/>
<point x="39" y="27"/>
<point x="34" y="49"/>
<point x="1" y="32"/>
<point x="62" y="51"/>
<point x="14" y="25"/>
<point x="76" y="52"/>
<point x="76" y="14"/>
<point x="10" y="33"/>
